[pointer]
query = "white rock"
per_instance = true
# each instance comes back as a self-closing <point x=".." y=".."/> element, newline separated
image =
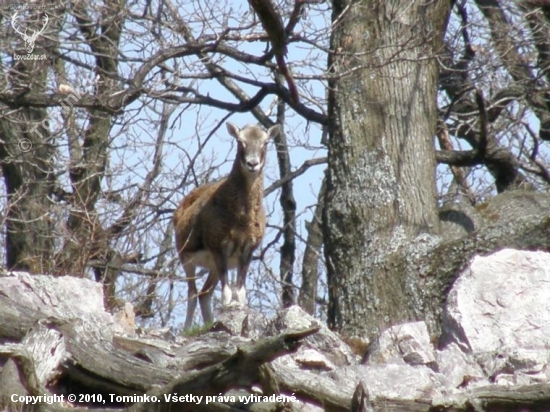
<point x="125" y="319"/>
<point x="459" y="368"/>
<point x="313" y="359"/>
<point x="515" y="366"/>
<point x="528" y="360"/>
<point x="325" y="341"/>
<point x="63" y="297"/>
<point x="392" y="381"/>
<point x="501" y="300"/>
<point x="401" y="381"/>
<point x="409" y="343"/>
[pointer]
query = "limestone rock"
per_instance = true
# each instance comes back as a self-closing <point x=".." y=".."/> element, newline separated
<point x="392" y="381"/>
<point x="500" y="301"/>
<point x="408" y="343"/>
<point x="326" y="341"/>
<point x="459" y="368"/>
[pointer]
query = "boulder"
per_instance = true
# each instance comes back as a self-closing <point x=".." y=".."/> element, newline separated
<point x="501" y="301"/>
<point x="459" y="368"/>
<point x="406" y="343"/>
<point x="337" y="352"/>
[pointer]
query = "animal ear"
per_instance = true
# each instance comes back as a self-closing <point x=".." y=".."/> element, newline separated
<point x="233" y="130"/>
<point x="273" y="131"/>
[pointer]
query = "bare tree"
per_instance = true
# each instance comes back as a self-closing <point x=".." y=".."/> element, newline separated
<point x="431" y="119"/>
<point x="102" y="137"/>
<point x="102" y="117"/>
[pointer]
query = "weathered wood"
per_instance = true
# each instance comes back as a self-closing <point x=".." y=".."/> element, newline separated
<point x="242" y="369"/>
<point x="504" y="398"/>
<point x="79" y="348"/>
<point x="360" y="401"/>
<point x="314" y="388"/>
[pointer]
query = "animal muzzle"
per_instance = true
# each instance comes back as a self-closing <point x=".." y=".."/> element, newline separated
<point x="253" y="166"/>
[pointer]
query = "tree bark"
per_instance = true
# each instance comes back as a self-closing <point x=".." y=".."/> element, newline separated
<point x="288" y="206"/>
<point x="27" y="162"/>
<point x="88" y="160"/>
<point x="310" y="263"/>
<point x="379" y="196"/>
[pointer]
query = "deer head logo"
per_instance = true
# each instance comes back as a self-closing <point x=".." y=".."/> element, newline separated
<point x="29" y="40"/>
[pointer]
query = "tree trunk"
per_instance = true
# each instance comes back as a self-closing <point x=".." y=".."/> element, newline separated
<point x="27" y="162"/>
<point x="310" y="263"/>
<point x="381" y="189"/>
<point x="288" y="205"/>
<point x="89" y="160"/>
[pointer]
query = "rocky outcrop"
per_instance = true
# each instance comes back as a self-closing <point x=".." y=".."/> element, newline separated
<point x="56" y="339"/>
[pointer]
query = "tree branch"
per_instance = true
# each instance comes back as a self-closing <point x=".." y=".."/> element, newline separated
<point x="301" y="170"/>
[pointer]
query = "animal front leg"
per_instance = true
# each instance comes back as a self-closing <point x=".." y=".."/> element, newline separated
<point x="221" y="265"/>
<point x="205" y="297"/>
<point x="242" y="271"/>
<point x="227" y="294"/>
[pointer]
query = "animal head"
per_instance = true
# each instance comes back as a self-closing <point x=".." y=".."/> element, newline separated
<point x="29" y="40"/>
<point x="252" y="142"/>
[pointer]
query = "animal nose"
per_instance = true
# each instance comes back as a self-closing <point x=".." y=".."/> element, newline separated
<point x="252" y="164"/>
